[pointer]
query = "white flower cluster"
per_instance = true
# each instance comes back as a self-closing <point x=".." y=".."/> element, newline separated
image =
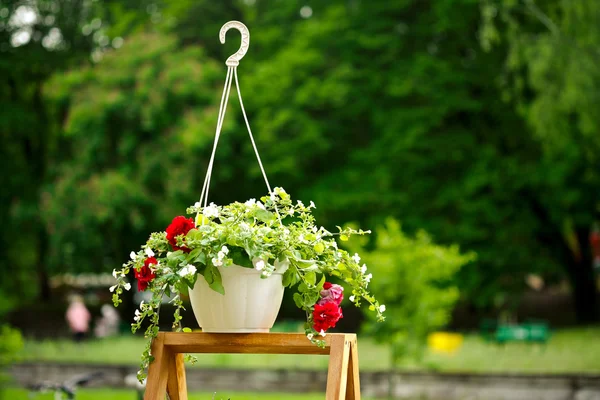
<point x="218" y="260"/>
<point x="211" y="211"/>
<point x="187" y="271"/>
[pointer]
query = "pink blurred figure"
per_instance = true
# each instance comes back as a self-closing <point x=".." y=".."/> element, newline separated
<point x="78" y="318"/>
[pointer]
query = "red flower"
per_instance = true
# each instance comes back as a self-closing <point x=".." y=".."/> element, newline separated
<point x="179" y="226"/>
<point x="145" y="275"/>
<point x="326" y="315"/>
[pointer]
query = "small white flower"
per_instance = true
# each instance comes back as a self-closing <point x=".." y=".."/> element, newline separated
<point x="149" y="252"/>
<point x="382" y="308"/>
<point x="300" y="203"/>
<point x="220" y="255"/>
<point x="225" y="250"/>
<point x="184" y="271"/>
<point x="363" y="269"/>
<point x="260" y="205"/>
<point x="112" y="288"/>
<point x="141" y="305"/>
<point x="351" y="298"/>
<point x="191" y="270"/>
<point x="312" y="205"/>
<point x="322" y="333"/>
<point x="310" y="336"/>
<point x="250" y="203"/>
<point x="291" y="211"/>
<point x="286" y="231"/>
<point x="356" y="258"/>
<point x="259" y="265"/>
<point x="334" y="244"/>
<point x="132" y="255"/>
<point x="114" y="273"/>
<point x="216" y="262"/>
<point x="137" y="315"/>
<point x="127" y="286"/>
<point x="211" y="211"/>
<point x="368" y="277"/>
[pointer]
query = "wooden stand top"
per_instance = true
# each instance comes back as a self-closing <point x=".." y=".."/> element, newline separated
<point x="248" y="343"/>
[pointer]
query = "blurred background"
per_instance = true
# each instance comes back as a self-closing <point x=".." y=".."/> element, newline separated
<point x="464" y="133"/>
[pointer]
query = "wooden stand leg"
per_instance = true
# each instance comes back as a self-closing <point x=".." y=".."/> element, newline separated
<point x="158" y="372"/>
<point x="353" y="387"/>
<point x="337" y="375"/>
<point x="176" y="385"/>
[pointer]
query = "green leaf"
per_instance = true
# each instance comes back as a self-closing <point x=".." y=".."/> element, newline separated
<point x="264" y="215"/>
<point x="302" y="287"/>
<point x="194" y="234"/>
<point x="344" y="238"/>
<point x="240" y="257"/>
<point x="311" y="277"/>
<point x="209" y="274"/>
<point x="319" y="247"/>
<point x="213" y="278"/>
<point x="298" y="300"/>
<point x="187" y="330"/>
<point x="288" y="277"/>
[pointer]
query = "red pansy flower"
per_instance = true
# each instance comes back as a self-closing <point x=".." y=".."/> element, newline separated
<point x="145" y="275"/>
<point x="326" y="315"/>
<point x="179" y="226"/>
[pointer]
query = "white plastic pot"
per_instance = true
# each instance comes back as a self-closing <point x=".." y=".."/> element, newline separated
<point x="250" y="304"/>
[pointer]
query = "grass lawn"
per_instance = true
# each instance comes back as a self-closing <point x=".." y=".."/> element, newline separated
<point x="568" y="351"/>
<point x="103" y="394"/>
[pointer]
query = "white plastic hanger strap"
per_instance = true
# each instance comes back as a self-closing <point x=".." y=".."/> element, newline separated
<point x="231" y="74"/>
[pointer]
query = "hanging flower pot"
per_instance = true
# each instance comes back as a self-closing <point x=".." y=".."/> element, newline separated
<point x="236" y="260"/>
<point x="248" y="304"/>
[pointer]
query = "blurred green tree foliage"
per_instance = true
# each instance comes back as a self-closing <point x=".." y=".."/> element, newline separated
<point x="553" y="80"/>
<point x="371" y="109"/>
<point x="415" y="279"/>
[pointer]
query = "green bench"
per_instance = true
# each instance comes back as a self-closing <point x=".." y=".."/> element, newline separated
<point x="531" y="332"/>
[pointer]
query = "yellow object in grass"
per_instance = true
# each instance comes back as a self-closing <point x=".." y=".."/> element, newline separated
<point x="444" y="342"/>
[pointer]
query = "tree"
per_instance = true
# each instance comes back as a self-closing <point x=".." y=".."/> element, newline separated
<point x="133" y="127"/>
<point x="415" y="279"/>
<point x="39" y="39"/>
<point x="553" y="80"/>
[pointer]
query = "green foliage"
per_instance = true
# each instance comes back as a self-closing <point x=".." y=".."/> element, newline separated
<point x="553" y="80"/>
<point x="372" y="109"/>
<point x="133" y="127"/>
<point x="414" y="277"/>
<point x="11" y="343"/>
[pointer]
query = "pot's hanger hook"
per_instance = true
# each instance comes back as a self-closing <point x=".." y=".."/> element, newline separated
<point x="234" y="59"/>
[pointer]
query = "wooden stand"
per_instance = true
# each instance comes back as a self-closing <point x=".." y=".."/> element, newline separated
<point x="167" y="374"/>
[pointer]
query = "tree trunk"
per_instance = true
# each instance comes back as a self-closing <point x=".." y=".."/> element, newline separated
<point x="583" y="281"/>
<point x="42" y="264"/>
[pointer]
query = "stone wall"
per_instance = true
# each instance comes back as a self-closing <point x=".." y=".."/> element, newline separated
<point x="423" y="386"/>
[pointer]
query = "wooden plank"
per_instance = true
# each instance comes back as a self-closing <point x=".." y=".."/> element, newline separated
<point x="337" y="374"/>
<point x="158" y="372"/>
<point x="353" y="386"/>
<point x="176" y="384"/>
<point x="248" y="343"/>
